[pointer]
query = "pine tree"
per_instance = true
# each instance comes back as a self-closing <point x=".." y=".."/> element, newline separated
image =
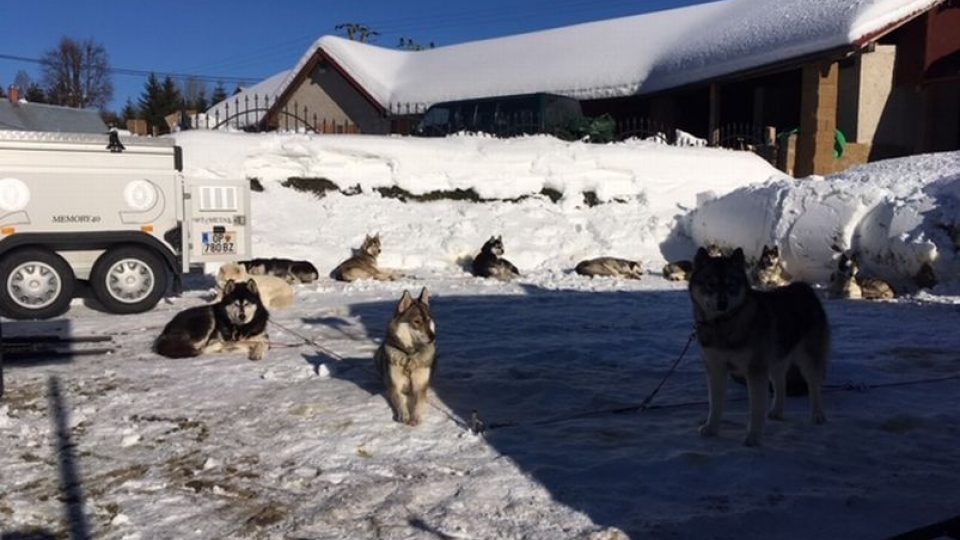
<point x="219" y="93"/>
<point x="129" y="112"/>
<point x="35" y="94"/>
<point x="151" y="102"/>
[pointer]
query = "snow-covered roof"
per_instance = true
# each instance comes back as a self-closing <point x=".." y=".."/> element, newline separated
<point x="25" y="116"/>
<point x="616" y="57"/>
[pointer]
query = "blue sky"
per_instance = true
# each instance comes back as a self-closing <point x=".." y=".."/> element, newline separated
<point x="244" y="38"/>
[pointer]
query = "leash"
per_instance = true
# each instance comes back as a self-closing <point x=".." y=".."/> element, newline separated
<point x="307" y="341"/>
<point x="477" y="425"/>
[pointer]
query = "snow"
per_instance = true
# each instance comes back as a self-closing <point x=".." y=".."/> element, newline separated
<point x="302" y="445"/>
<point x="896" y="214"/>
<point x="655" y="51"/>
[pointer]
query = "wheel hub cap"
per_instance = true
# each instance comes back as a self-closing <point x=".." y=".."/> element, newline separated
<point x="34" y="285"/>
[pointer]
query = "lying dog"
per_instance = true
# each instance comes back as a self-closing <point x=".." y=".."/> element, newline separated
<point x="846" y="282"/>
<point x="678" y="270"/>
<point x="274" y="292"/>
<point x="363" y="265"/>
<point x="289" y="270"/>
<point x="757" y="334"/>
<point x="610" y="267"/>
<point x="238" y="322"/>
<point x="489" y="263"/>
<point x="406" y="360"/>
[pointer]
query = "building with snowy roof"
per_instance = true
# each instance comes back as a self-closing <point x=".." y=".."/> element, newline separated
<point x="20" y="115"/>
<point x="885" y="73"/>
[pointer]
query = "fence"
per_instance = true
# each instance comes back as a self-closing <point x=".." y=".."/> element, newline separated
<point x="257" y="113"/>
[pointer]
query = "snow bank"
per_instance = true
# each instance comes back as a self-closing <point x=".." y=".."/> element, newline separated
<point x="897" y="214"/>
<point x="654" y="184"/>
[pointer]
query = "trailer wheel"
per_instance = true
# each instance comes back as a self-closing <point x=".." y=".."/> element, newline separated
<point x="36" y="284"/>
<point x="129" y="279"/>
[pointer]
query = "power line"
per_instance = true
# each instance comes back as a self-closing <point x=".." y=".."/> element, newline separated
<point x="145" y="73"/>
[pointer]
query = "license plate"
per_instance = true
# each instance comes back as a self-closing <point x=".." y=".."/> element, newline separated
<point x="219" y="242"/>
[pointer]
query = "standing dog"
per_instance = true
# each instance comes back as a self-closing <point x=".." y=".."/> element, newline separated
<point x="406" y="360"/>
<point x="610" y="267"/>
<point x="238" y="322"/>
<point x="769" y="271"/>
<point x="489" y="263"/>
<point x="274" y="292"/>
<point x="288" y="270"/>
<point x="363" y="265"/>
<point x="757" y="334"/>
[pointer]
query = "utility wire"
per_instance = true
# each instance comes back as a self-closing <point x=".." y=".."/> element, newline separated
<point x="144" y="73"/>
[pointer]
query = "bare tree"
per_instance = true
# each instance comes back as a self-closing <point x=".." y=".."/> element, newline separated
<point x="77" y="74"/>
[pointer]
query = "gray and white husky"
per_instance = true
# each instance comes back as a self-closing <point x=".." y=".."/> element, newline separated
<point x="846" y="282"/>
<point x="769" y="271"/>
<point x="490" y="263"/>
<point x="610" y="267"/>
<point x="363" y="265"/>
<point x="756" y="334"/>
<point x="237" y="322"/>
<point x="406" y="360"/>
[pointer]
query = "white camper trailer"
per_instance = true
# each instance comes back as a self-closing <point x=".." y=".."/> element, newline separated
<point x="119" y="215"/>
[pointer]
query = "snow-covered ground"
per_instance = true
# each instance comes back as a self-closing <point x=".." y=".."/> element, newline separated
<point x="302" y="445"/>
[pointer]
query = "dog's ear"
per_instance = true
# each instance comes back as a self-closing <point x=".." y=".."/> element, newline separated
<point x="775" y="251"/>
<point x="252" y="286"/>
<point x="737" y="258"/>
<point x="765" y="250"/>
<point x="405" y="302"/>
<point x="228" y="287"/>
<point x="701" y="258"/>
<point x="424" y="297"/>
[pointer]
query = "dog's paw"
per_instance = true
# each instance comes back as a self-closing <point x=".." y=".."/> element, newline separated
<point x="414" y="421"/>
<point x="818" y="418"/>
<point x="403" y="417"/>
<point x="752" y="440"/>
<point x="706" y="430"/>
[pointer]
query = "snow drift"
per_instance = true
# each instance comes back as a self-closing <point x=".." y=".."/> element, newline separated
<point x="896" y="214"/>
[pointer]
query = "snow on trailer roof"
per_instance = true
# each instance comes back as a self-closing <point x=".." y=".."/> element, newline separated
<point x="616" y="57"/>
<point x="79" y="138"/>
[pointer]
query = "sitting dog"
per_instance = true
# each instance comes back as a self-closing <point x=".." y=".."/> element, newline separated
<point x="678" y="270"/>
<point x="769" y="271"/>
<point x="846" y="282"/>
<point x="843" y="281"/>
<point x="757" y="334"/>
<point x="406" y="360"/>
<point x="289" y="270"/>
<point x="274" y="292"/>
<point x="610" y="267"/>
<point x="363" y="265"/>
<point x="238" y="322"/>
<point x="489" y="263"/>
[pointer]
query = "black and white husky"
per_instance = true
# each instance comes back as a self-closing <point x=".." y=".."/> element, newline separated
<point x="491" y="264"/>
<point x="238" y="322"/>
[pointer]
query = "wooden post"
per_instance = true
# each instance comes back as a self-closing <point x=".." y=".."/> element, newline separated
<point x="818" y="119"/>
<point x="713" y="123"/>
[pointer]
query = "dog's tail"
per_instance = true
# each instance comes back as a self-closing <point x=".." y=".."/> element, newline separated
<point x="175" y="346"/>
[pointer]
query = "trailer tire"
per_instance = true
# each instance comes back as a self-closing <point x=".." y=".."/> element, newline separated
<point x="35" y="283"/>
<point x="129" y="279"/>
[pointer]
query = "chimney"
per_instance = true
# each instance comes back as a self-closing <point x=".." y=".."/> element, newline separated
<point x="14" y="93"/>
